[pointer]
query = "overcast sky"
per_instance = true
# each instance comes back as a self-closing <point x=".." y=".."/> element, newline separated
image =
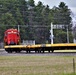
<point x="70" y="3"/>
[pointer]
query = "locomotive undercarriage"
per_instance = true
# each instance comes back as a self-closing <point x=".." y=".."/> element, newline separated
<point x="11" y="50"/>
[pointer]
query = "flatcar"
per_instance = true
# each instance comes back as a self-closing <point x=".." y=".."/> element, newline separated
<point x="11" y="37"/>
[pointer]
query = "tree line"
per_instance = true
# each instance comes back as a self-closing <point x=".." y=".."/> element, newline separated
<point x="34" y="20"/>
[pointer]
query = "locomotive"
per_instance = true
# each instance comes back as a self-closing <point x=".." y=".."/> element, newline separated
<point x="11" y="37"/>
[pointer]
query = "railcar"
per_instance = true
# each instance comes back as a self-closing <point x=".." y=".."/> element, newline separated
<point x="11" y="37"/>
<point x="12" y="43"/>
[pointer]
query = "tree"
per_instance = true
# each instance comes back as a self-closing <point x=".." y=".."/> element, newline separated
<point x="36" y="17"/>
<point x="31" y="3"/>
<point x="39" y="8"/>
<point x="12" y="13"/>
<point x="60" y="36"/>
<point x="65" y="13"/>
<point x="8" y="19"/>
<point x="45" y="15"/>
<point x="62" y="14"/>
<point x="18" y="18"/>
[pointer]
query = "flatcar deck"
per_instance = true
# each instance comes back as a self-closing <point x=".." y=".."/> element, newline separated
<point x="43" y="47"/>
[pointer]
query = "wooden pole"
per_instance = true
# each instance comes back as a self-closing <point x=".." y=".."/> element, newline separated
<point x="73" y="66"/>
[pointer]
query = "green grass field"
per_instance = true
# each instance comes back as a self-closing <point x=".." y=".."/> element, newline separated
<point x="36" y="65"/>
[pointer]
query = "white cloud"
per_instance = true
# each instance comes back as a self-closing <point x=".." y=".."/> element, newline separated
<point x="73" y="10"/>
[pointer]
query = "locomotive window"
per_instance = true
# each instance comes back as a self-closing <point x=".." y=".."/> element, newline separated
<point x="15" y="32"/>
<point x="12" y="32"/>
<point x="9" y="32"/>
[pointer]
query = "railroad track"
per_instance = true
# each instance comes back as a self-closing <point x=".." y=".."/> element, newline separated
<point x="32" y="53"/>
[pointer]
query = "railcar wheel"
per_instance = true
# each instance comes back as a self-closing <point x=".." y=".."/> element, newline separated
<point x="52" y="51"/>
<point x="43" y="51"/>
<point x="17" y="50"/>
<point x="26" y="51"/>
<point x="29" y="51"/>
<point x="8" y="50"/>
<point x="49" y="51"/>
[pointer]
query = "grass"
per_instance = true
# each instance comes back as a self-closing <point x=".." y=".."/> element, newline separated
<point x="36" y="65"/>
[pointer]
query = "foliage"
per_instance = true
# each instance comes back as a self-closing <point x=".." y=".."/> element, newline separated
<point x="61" y="37"/>
<point x="32" y="17"/>
<point x="31" y="3"/>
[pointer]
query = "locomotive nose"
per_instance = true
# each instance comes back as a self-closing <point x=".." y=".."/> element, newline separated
<point x="11" y="42"/>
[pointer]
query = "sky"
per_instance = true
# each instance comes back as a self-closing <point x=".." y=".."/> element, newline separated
<point x="70" y="3"/>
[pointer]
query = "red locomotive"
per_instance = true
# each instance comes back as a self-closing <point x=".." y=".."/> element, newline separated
<point x="11" y="37"/>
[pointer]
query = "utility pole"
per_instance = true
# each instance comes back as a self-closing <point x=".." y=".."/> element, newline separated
<point x="18" y="28"/>
<point x="67" y="35"/>
<point x="51" y="31"/>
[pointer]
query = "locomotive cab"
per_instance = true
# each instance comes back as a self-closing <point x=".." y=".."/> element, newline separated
<point x="11" y="37"/>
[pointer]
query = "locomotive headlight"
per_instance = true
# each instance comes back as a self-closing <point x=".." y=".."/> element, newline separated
<point x="12" y="31"/>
